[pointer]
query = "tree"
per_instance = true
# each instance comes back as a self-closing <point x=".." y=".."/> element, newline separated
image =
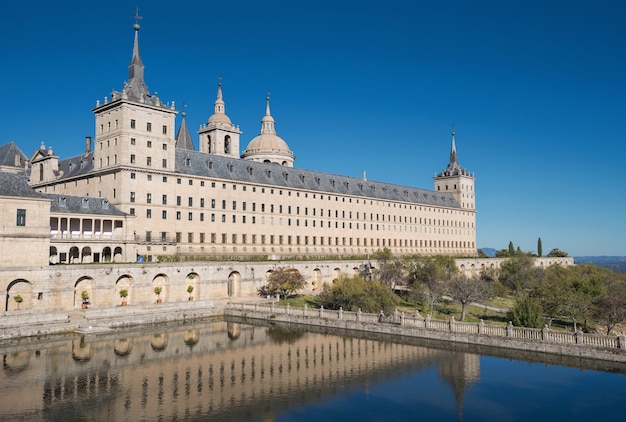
<point x="527" y="312"/>
<point x="391" y="273"/>
<point x="284" y="282"/>
<point x="511" y="249"/>
<point x="354" y="293"/>
<point x="466" y="290"/>
<point x="518" y="273"/>
<point x="428" y="277"/>
<point x="539" y="248"/>
<point x="610" y="309"/>
<point x="556" y="252"/>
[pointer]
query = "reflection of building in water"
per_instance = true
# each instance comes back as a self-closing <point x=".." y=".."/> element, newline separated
<point x="460" y="370"/>
<point x="222" y="370"/>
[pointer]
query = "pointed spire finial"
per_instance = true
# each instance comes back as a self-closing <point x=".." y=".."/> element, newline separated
<point x="137" y="18"/>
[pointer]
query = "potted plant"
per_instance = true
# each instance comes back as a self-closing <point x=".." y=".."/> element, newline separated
<point x="189" y="290"/>
<point x="123" y="295"/>
<point x="85" y="296"/>
<point x="158" y="290"/>
<point x="18" y="299"/>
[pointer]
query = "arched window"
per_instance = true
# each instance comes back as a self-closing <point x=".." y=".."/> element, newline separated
<point x="227" y="145"/>
<point x="208" y="144"/>
<point x="40" y="172"/>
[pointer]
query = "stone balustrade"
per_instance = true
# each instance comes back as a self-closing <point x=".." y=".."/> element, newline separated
<point x="542" y="340"/>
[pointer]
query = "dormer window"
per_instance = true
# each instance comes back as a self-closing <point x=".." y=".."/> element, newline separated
<point x="63" y="201"/>
<point x="85" y="203"/>
<point x="105" y="204"/>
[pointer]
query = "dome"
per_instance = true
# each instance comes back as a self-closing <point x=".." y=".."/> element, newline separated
<point x="268" y="142"/>
<point x="268" y="146"/>
<point x="219" y="118"/>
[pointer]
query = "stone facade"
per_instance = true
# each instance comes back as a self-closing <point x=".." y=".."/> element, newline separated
<point x="216" y="201"/>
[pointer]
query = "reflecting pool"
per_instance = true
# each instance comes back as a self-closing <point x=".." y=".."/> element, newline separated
<point x="229" y="371"/>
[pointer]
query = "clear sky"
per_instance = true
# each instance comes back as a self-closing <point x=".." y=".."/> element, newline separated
<point x="536" y="91"/>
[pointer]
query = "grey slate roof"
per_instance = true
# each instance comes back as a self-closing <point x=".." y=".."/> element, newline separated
<point x="82" y="205"/>
<point x="12" y="184"/>
<point x="194" y="163"/>
<point x="8" y="152"/>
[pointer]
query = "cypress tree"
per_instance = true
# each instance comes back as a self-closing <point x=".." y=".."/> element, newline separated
<point x="539" y="248"/>
<point x="511" y="249"/>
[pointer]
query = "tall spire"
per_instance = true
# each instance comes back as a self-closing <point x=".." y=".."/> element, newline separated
<point x="453" y="157"/>
<point x="267" y="123"/>
<point x="183" y="138"/>
<point x="135" y="88"/>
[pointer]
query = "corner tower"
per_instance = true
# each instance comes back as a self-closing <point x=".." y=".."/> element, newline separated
<point x="457" y="181"/>
<point x="134" y="128"/>
<point x="219" y="135"/>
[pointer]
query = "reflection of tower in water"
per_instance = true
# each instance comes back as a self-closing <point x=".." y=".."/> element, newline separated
<point x="460" y="370"/>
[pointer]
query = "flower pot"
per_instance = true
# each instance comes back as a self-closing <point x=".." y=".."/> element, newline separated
<point x="190" y="297"/>
<point x="159" y="300"/>
<point x="84" y="306"/>
<point x="124" y="303"/>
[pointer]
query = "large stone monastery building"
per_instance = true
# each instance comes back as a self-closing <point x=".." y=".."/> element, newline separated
<point x="158" y="196"/>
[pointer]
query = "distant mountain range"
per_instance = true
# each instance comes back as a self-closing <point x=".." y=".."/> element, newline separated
<point x="613" y="263"/>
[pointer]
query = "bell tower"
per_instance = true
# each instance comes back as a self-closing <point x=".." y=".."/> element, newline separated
<point x="219" y="135"/>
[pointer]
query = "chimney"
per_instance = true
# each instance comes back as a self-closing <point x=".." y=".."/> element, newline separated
<point x="87" y="145"/>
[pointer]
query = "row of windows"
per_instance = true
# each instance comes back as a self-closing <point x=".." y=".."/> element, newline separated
<point x="309" y="240"/>
<point x="297" y="222"/>
<point x="148" y="161"/>
<point x="133" y="125"/>
<point x="288" y="208"/>
<point x="306" y="194"/>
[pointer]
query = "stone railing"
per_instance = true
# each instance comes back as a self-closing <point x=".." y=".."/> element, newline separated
<point x="413" y="324"/>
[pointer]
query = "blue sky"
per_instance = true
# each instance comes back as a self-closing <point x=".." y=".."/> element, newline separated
<point x="536" y="91"/>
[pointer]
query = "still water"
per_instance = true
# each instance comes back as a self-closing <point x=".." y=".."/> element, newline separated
<point x="227" y="371"/>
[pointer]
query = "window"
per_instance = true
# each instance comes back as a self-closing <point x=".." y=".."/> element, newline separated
<point x="164" y="163"/>
<point x="132" y="141"/>
<point x="190" y="201"/>
<point x="21" y="217"/>
<point x="132" y="197"/>
<point x="148" y="236"/>
<point x="164" y="201"/>
<point x="132" y="158"/>
<point x="164" y="215"/>
<point x="132" y="125"/>
<point x="149" y="198"/>
<point x="201" y="216"/>
<point x="164" y="147"/>
<point x="190" y="217"/>
<point x="148" y="161"/>
<point x="149" y="144"/>
<point x="164" y="130"/>
<point x="164" y="179"/>
<point x="132" y="211"/>
<point x="201" y="202"/>
<point x="148" y="213"/>
<point x="148" y="178"/>
<point x="132" y="175"/>
<point x="149" y="127"/>
<point x="178" y="215"/>
<point x="178" y="200"/>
